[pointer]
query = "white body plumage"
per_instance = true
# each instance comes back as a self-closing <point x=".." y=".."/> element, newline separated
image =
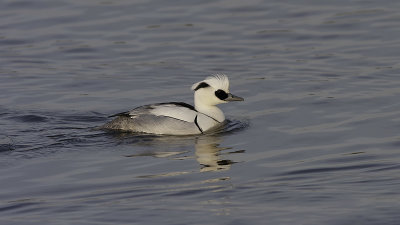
<point x="177" y="118"/>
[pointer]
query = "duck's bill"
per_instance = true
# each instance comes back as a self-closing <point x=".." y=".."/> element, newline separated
<point x="232" y="98"/>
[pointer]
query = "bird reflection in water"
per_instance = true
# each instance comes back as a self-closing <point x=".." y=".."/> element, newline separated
<point x="208" y="152"/>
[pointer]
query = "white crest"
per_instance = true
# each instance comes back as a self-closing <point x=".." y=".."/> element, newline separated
<point x="217" y="81"/>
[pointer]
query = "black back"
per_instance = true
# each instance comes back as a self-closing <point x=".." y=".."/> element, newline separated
<point x="181" y="104"/>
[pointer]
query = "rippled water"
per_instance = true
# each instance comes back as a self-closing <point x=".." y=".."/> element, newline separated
<point x="316" y="140"/>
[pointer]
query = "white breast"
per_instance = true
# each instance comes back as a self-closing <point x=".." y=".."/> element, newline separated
<point x="205" y="122"/>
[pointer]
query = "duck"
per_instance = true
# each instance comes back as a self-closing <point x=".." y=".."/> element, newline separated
<point x="179" y="118"/>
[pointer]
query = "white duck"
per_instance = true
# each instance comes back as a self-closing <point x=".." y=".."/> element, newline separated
<point x="178" y="118"/>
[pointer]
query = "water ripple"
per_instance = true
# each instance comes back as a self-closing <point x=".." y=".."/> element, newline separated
<point x="334" y="169"/>
<point x="319" y="127"/>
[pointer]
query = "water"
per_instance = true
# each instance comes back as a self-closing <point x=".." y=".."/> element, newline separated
<point x="316" y="140"/>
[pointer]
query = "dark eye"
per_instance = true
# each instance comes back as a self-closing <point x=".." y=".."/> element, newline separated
<point x="221" y="94"/>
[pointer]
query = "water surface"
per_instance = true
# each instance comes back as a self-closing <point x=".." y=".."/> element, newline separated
<point x="316" y="140"/>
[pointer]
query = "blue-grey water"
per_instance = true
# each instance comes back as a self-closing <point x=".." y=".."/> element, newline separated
<point x="316" y="141"/>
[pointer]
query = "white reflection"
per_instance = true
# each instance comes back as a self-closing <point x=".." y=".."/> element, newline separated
<point x="208" y="153"/>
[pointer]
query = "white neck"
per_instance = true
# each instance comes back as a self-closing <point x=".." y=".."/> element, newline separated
<point x="210" y="110"/>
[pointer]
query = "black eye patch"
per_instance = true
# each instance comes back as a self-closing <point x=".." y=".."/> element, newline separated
<point x="201" y="85"/>
<point x="221" y="94"/>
